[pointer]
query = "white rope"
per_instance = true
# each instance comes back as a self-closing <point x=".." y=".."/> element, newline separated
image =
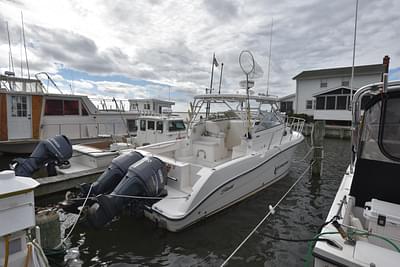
<point x="77" y="219"/>
<point x="308" y="153"/>
<point x="271" y="211"/>
<point x="39" y="257"/>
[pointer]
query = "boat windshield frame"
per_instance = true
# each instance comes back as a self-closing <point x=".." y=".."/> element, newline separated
<point x="379" y="95"/>
<point x="239" y="109"/>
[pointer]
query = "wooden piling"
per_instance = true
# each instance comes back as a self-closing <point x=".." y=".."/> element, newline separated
<point x="50" y="228"/>
<point x="318" y="143"/>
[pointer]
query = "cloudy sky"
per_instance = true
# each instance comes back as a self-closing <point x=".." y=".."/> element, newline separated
<point x="163" y="49"/>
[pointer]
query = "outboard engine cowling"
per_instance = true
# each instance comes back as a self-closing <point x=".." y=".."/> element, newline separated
<point x="110" y="178"/>
<point x="147" y="177"/>
<point x="53" y="151"/>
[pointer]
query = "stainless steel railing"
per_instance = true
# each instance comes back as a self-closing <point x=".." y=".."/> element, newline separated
<point x="295" y="123"/>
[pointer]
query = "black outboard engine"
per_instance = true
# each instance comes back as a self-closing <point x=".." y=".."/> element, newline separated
<point x="111" y="177"/>
<point x="106" y="183"/>
<point x="146" y="177"/>
<point x="52" y="152"/>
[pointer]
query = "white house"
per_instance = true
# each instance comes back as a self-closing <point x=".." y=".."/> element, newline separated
<point x="325" y="93"/>
<point x="286" y="103"/>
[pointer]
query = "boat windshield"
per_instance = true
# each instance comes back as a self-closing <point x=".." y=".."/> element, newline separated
<point x="178" y="125"/>
<point x="269" y="120"/>
<point x="389" y="140"/>
<point x="381" y="129"/>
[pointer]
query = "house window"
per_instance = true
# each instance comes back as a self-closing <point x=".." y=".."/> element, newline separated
<point x="159" y="126"/>
<point x="323" y="84"/>
<point x="341" y="102"/>
<point x="142" y="125"/>
<point x="345" y="83"/>
<point x="147" y="106"/>
<point x="320" y="102"/>
<point x="283" y="106"/>
<point x="287" y="106"/>
<point x="134" y="106"/>
<point x="150" y="125"/>
<point x="18" y="106"/>
<point x="330" y="102"/>
<point x="131" y="125"/>
<point x="309" y="104"/>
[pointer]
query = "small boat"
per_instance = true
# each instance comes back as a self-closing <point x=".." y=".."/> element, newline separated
<point x="29" y="113"/>
<point x="363" y="225"/>
<point x="241" y="146"/>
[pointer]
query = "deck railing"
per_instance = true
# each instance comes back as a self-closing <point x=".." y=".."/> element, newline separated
<point x="295" y="123"/>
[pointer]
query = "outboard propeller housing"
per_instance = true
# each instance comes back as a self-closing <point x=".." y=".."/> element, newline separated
<point x="147" y="178"/>
<point x="105" y="184"/>
<point x="53" y="151"/>
<point x="111" y="177"/>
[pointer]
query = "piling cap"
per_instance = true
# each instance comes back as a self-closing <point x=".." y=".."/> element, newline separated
<point x="14" y="185"/>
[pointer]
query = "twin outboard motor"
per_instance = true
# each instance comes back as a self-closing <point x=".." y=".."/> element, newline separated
<point x="52" y="152"/>
<point x="146" y="177"/>
<point x="105" y="184"/>
<point x="111" y="177"/>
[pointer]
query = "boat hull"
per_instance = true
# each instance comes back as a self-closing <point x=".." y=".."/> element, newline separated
<point x="261" y="170"/>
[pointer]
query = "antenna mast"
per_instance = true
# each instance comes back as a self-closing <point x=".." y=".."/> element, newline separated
<point x="23" y="35"/>
<point x="20" y="53"/>
<point x="270" y="52"/>
<point x="10" y="57"/>
<point x="351" y="83"/>
<point x="247" y="64"/>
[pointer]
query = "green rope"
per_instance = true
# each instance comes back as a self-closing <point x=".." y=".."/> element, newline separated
<point x="356" y="232"/>
<point x="362" y="233"/>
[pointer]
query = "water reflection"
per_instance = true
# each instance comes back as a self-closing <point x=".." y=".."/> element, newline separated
<point x="138" y="242"/>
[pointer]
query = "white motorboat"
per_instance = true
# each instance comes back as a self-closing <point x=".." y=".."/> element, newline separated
<point x="29" y="112"/>
<point x="242" y="147"/>
<point x="363" y="224"/>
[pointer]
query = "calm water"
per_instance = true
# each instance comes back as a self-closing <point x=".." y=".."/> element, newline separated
<point x="129" y="242"/>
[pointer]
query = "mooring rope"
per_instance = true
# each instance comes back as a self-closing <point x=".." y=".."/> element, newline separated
<point x="77" y="219"/>
<point x="308" y="153"/>
<point x="271" y="212"/>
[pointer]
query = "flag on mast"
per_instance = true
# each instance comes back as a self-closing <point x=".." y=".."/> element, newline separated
<point x="215" y="62"/>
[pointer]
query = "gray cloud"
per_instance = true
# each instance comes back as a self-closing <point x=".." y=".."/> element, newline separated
<point x="223" y="10"/>
<point x="172" y="42"/>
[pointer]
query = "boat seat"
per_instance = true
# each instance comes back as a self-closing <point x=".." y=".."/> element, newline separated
<point x="375" y="179"/>
<point x="212" y="129"/>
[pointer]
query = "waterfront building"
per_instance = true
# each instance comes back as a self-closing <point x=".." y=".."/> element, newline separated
<point x="324" y="94"/>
